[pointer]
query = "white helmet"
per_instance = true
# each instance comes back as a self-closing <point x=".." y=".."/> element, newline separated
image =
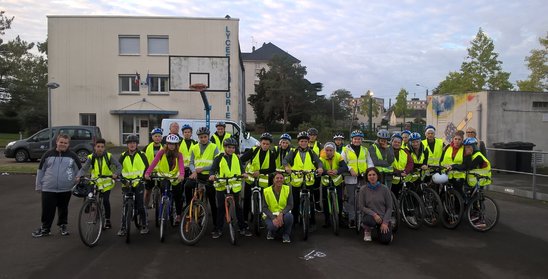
<point x="440" y="178"/>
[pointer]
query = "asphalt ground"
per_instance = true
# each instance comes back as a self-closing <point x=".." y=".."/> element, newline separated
<point x="516" y="248"/>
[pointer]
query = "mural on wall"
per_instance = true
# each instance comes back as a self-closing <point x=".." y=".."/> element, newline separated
<point x="456" y="110"/>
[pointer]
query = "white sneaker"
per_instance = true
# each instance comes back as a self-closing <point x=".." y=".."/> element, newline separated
<point x="366" y="235"/>
<point x="144" y="230"/>
<point x="269" y="235"/>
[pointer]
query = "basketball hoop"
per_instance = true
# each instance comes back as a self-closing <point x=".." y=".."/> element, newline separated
<point x="199" y="87"/>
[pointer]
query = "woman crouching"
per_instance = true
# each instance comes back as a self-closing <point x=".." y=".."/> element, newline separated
<point x="375" y="203"/>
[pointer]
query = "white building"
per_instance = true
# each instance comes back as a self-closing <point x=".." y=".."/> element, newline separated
<point x="97" y="59"/>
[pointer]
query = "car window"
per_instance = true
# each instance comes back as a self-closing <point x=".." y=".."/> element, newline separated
<point x="69" y="132"/>
<point x="82" y="134"/>
<point x="41" y="136"/>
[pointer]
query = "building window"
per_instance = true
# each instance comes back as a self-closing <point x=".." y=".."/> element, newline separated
<point x="540" y="104"/>
<point x="158" y="84"/>
<point x="128" y="84"/>
<point x="158" y="45"/>
<point x="88" y="119"/>
<point x="129" y="45"/>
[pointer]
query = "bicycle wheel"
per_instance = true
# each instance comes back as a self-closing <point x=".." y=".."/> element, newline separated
<point x="305" y="215"/>
<point x="129" y="217"/>
<point x="164" y="218"/>
<point x="256" y="213"/>
<point x="334" y="212"/>
<point x="453" y="207"/>
<point x="194" y="223"/>
<point x="90" y="222"/>
<point x="232" y="221"/>
<point x="482" y="213"/>
<point x="395" y="219"/>
<point x="411" y="209"/>
<point x="357" y="213"/>
<point x="156" y="205"/>
<point x="432" y="207"/>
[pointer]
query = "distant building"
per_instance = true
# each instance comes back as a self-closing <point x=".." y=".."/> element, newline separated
<point x="416" y="104"/>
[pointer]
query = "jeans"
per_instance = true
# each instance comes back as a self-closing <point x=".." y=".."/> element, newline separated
<point x="286" y="227"/>
<point x="52" y="201"/>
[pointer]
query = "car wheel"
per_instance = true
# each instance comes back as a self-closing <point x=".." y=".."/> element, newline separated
<point x="21" y="155"/>
<point x="82" y="155"/>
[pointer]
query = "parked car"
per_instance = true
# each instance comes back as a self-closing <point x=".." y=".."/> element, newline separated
<point x="82" y="139"/>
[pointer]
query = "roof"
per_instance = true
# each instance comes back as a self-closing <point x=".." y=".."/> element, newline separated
<point x="266" y="53"/>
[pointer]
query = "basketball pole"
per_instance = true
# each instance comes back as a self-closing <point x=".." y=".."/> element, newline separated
<point x="207" y="106"/>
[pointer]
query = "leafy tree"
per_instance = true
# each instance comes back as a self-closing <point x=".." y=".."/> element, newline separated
<point x="340" y="99"/>
<point x="5" y="23"/>
<point x="455" y="82"/>
<point x="364" y="105"/>
<point x="538" y="64"/>
<point x="400" y="107"/>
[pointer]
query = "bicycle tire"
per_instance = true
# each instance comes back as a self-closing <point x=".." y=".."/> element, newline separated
<point x="411" y="209"/>
<point x="305" y="215"/>
<point x="256" y="214"/>
<point x="357" y="212"/>
<point x="334" y="212"/>
<point x="194" y="225"/>
<point x="128" y="220"/>
<point x="432" y="207"/>
<point x="156" y="205"/>
<point x="485" y="204"/>
<point x="453" y="208"/>
<point x="90" y="223"/>
<point x="232" y="221"/>
<point x="164" y="219"/>
<point x="395" y="218"/>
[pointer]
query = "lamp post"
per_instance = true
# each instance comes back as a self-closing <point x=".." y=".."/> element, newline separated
<point x="418" y="84"/>
<point x="51" y="85"/>
<point x="370" y="94"/>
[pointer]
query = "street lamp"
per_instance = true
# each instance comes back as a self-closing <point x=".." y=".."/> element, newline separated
<point x="418" y="84"/>
<point x="51" y="85"/>
<point x="370" y="94"/>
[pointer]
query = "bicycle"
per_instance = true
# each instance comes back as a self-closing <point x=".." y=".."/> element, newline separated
<point x="304" y="200"/>
<point x="451" y="199"/>
<point x="195" y="216"/>
<point x="410" y="205"/>
<point x="433" y="207"/>
<point x="256" y="206"/>
<point x="156" y="194"/>
<point x="91" y="218"/>
<point x="482" y="212"/>
<point x="129" y="213"/>
<point x="230" y="207"/>
<point x="333" y="204"/>
<point x="166" y="207"/>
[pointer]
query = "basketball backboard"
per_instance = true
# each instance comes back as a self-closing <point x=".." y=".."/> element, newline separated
<point x="212" y="71"/>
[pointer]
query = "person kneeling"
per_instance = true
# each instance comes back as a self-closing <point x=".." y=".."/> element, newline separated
<point x="375" y="203"/>
<point x="277" y="209"/>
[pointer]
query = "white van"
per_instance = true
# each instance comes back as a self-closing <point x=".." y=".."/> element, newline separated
<point x="236" y="130"/>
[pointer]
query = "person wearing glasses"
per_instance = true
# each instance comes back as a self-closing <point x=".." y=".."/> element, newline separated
<point x="471" y="133"/>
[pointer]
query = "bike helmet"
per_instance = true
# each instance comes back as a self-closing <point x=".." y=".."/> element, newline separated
<point x="338" y="136"/>
<point x="171" y="138"/>
<point x="285" y="137"/>
<point x="397" y="135"/>
<point x="303" y="135"/>
<point x="132" y="138"/>
<point x="186" y="126"/>
<point x="405" y="132"/>
<point x="415" y="136"/>
<point x="383" y="134"/>
<point x="220" y="123"/>
<point x="440" y="178"/>
<point x="230" y="141"/>
<point x="470" y="141"/>
<point x="429" y="127"/>
<point x="356" y="133"/>
<point x="312" y="131"/>
<point x="81" y="189"/>
<point x="156" y="131"/>
<point x="266" y="136"/>
<point x="329" y="145"/>
<point x="202" y="131"/>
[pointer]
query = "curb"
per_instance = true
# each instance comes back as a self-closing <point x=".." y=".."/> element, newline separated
<point x="517" y="192"/>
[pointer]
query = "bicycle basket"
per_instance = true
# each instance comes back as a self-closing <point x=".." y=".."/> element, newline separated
<point x="81" y="189"/>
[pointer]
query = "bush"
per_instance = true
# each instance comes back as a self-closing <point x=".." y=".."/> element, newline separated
<point x="9" y="124"/>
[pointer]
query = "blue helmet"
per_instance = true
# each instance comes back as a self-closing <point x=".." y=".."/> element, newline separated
<point x="186" y="126"/>
<point x="406" y="132"/>
<point x="414" y="136"/>
<point x="470" y="141"/>
<point x="156" y="131"/>
<point x="356" y="133"/>
<point x="429" y="127"/>
<point x="285" y="137"/>
<point x="383" y="134"/>
<point x="397" y="135"/>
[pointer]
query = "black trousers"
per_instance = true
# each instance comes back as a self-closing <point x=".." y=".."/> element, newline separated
<point x="221" y="210"/>
<point x="297" y="205"/>
<point x="106" y="203"/>
<point x="176" y="195"/>
<point x="370" y="224"/>
<point x="190" y="184"/>
<point x="326" y="205"/>
<point x="52" y="201"/>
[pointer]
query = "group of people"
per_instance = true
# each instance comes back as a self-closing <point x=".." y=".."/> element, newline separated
<point x="280" y="171"/>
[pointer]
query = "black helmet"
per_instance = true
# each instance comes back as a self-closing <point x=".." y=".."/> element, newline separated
<point x="338" y="136"/>
<point x="230" y="141"/>
<point x="220" y="123"/>
<point x="81" y="189"/>
<point x="202" y="131"/>
<point x="303" y="135"/>
<point x="266" y="136"/>
<point x="132" y="138"/>
<point x="312" y="131"/>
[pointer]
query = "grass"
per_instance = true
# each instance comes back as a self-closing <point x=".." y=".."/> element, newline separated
<point x="6" y="138"/>
<point x="19" y="168"/>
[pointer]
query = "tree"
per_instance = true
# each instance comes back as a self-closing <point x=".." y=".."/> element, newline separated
<point x="538" y="64"/>
<point x="481" y="70"/>
<point x="5" y="23"/>
<point x="364" y="105"/>
<point x="339" y="100"/>
<point x="400" y="107"/>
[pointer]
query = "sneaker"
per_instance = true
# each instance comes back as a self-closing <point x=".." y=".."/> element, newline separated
<point x="216" y="234"/>
<point x="367" y="235"/>
<point x="286" y="239"/>
<point x="144" y="230"/>
<point x="352" y="224"/>
<point x="63" y="229"/>
<point x="246" y="232"/>
<point x="122" y="232"/>
<point x="317" y="207"/>
<point x="41" y="232"/>
<point x="412" y="219"/>
<point x="108" y="225"/>
<point x="479" y="223"/>
<point x="269" y="235"/>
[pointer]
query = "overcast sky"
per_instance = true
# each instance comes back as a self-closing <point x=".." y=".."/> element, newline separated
<point x="357" y="45"/>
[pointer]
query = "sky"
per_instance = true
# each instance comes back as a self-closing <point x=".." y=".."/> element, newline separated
<point x="356" y="45"/>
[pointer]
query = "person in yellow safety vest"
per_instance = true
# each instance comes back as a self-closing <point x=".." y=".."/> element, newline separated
<point x="227" y="165"/>
<point x="150" y="151"/>
<point x="383" y="157"/>
<point x="283" y="148"/>
<point x="201" y="159"/>
<point x="220" y="135"/>
<point x="134" y="164"/>
<point x="302" y="159"/>
<point x="358" y="160"/>
<point x="334" y="166"/>
<point x="277" y="209"/>
<point x="186" y="144"/>
<point x="402" y="165"/>
<point x="433" y="146"/>
<point x="261" y="162"/>
<point x="405" y="138"/>
<point x="453" y="154"/>
<point x="99" y="164"/>
<point x="419" y="155"/>
<point x="170" y="164"/>
<point x="338" y="138"/>
<point x="317" y="147"/>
